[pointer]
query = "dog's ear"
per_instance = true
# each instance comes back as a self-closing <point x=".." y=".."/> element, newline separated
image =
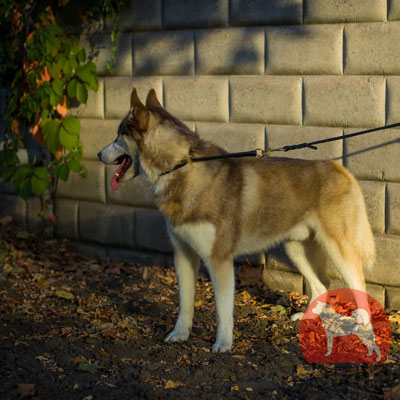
<point x="151" y="100"/>
<point x="135" y="101"/>
<point x="140" y="115"/>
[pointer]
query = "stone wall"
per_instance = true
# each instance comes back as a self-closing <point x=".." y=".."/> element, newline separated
<point x="245" y="74"/>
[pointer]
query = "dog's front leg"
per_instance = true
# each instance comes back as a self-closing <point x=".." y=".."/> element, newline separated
<point x="187" y="264"/>
<point x="223" y="279"/>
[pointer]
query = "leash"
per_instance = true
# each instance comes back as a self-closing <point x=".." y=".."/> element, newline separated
<point x="260" y="153"/>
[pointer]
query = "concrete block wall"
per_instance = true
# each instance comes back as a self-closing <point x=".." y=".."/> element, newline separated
<point x="245" y="74"/>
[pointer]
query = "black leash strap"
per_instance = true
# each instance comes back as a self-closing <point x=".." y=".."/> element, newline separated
<point x="259" y="153"/>
<point x="311" y="145"/>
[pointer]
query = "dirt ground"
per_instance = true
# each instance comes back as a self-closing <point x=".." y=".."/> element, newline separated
<point x="73" y="327"/>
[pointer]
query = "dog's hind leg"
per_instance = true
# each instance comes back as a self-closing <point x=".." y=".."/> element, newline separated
<point x="222" y="275"/>
<point x="187" y="264"/>
<point x="297" y="252"/>
<point x="347" y="259"/>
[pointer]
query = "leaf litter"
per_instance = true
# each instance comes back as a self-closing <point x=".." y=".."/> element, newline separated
<point x="75" y="327"/>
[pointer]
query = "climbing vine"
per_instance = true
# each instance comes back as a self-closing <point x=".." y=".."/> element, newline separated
<point x="45" y="72"/>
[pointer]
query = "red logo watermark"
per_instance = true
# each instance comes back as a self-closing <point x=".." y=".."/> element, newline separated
<point x="345" y="326"/>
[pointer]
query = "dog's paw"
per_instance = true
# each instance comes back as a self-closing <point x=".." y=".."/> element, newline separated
<point x="178" y="335"/>
<point x="297" y="316"/>
<point x="221" y="346"/>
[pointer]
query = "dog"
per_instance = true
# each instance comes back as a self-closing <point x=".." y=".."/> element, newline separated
<point x="336" y="325"/>
<point x="216" y="210"/>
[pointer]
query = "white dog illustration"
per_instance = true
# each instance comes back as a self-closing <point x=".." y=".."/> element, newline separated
<point x="336" y="324"/>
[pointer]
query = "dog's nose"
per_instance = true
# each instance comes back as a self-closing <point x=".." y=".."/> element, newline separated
<point x="99" y="155"/>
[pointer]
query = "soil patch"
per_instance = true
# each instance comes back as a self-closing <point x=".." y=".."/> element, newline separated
<point x="73" y="327"/>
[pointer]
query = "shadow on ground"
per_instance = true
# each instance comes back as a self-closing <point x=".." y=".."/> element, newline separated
<point x="73" y="327"/>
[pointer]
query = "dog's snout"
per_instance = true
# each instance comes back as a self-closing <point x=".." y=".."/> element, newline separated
<point x="99" y="155"/>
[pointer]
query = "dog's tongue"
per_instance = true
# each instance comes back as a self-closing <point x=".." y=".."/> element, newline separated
<point x="117" y="175"/>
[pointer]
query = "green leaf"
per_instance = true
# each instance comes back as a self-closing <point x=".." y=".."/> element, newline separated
<point x="279" y="310"/>
<point x="55" y="41"/>
<point x="82" y="55"/>
<point x="66" y="66"/>
<point x="39" y="186"/>
<point x="81" y="92"/>
<point x="8" y="173"/>
<point x="87" y="367"/>
<point x="75" y="49"/>
<point x="58" y="87"/>
<point x="84" y="74"/>
<point x="68" y="140"/>
<point x="54" y="99"/>
<point x="66" y="295"/>
<point x="74" y="165"/>
<point x="41" y="173"/>
<point x="73" y="62"/>
<point x="50" y="131"/>
<point x="93" y="84"/>
<point x="22" y="172"/>
<point x="72" y="125"/>
<point x="54" y="70"/>
<point x="25" y="189"/>
<point x="91" y="67"/>
<point x="62" y="171"/>
<point x="71" y="88"/>
<point x="45" y="112"/>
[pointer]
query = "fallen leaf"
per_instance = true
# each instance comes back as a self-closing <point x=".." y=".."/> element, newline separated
<point x="250" y="275"/>
<point x="113" y="270"/>
<point x="279" y="310"/>
<point x="235" y="388"/>
<point x="87" y="367"/>
<point x="24" y="390"/>
<point x="64" y="294"/>
<point x="3" y="256"/>
<point x="239" y="356"/>
<point x="5" y="220"/>
<point x="172" y="385"/>
<point x="301" y="371"/>
<point x="243" y="346"/>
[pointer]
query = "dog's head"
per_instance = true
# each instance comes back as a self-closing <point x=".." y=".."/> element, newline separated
<point x="149" y="141"/>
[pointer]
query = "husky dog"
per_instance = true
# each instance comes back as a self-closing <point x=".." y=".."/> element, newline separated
<point x="336" y="325"/>
<point x="216" y="210"/>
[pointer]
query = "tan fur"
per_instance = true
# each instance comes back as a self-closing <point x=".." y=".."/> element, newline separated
<point x="220" y="209"/>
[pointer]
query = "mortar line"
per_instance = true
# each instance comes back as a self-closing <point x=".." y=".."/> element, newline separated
<point x="386" y="209"/>
<point x="343" y="49"/>
<point x="386" y="105"/>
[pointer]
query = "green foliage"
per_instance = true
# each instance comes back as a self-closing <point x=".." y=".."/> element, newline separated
<point x="56" y="72"/>
<point x="46" y="72"/>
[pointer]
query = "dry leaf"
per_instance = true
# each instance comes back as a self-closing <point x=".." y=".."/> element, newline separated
<point x="64" y="294"/>
<point x="249" y="275"/>
<point x="301" y="371"/>
<point x="172" y="385"/>
<point x="24" y="390"/>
